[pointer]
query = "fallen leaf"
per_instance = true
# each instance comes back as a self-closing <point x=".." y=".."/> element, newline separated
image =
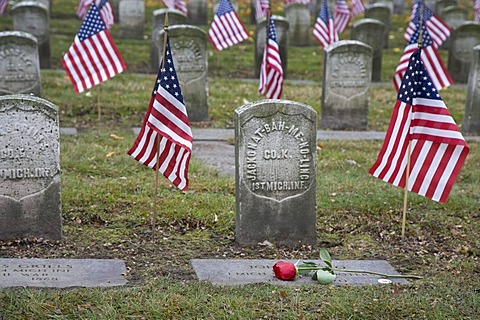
<point x="115" y="137"/>
<point x="110" y="154"/>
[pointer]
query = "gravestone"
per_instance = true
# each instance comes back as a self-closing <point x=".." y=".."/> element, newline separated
<point x="454" y="17"/>
<point x="275" y="171"/>
<point x="298" y="17"/>
<point x="471" y="119"/>
<point x="346" y="81"/>
<point x="116" y="13"/>
<point x="240" y="272"/>
<point x="370" y="32"/>
<point x="381" y="12"/>
<point x="388" y="3"/>
<point x="132" y="19"/>
<point x="440" y="5"/>
<point x="281" y="30"/>
<point x="32" y="17"/>
<point x="252" y="17"/>
<point x="19" y="63"/>
<point x="189" y="50"/>
<point x="460" y="55"/>
<point x="197" y="12"/>
<point x="398" y="6"/>
<point x="61" y="273"/>
<point x="30" y="202"/>
<point x="234" y="4"/>
<point x="174" y="17"/>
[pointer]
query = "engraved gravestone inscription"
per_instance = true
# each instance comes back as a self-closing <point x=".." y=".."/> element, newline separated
<point x="275" y="172"/>
<point x="19" y="63"/>
<point x="30" y="204"/>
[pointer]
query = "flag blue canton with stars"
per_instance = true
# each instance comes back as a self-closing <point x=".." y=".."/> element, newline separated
<point x="271" y="31"/>
<point x="224" y="7"/>
<point x="426" y="39"/>
<point x="167" y="77"/>
<point x="92" y="24"/>
<point x="417" y="83"/>
<point x="325" y="12"/>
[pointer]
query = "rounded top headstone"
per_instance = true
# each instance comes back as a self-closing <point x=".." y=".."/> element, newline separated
<point x="27" y="4"/>
<point x="15" y="34"/>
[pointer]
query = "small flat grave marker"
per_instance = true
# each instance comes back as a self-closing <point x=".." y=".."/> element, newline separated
<point x="238" y="272"/>
<point x="61" y="273"/>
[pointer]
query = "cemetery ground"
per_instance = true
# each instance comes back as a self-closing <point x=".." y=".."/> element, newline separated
<point x="107" y="204"/>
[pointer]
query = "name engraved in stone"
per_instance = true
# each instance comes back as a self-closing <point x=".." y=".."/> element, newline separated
<point x="349" y="75"/>
<point x="16" y="69"/>
<point x="34" y="272"/>
<point x="188" y="59"/>
<point x="278" y="171"/>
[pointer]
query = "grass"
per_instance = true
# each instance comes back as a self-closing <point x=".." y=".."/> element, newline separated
<point x="107" y="201"/>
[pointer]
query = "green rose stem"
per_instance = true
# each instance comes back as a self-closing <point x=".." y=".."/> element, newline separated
<point x="364" y="271"/>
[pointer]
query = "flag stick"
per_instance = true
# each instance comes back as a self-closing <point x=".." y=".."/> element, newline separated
<point x="409" y="151"/>
<point x="157" y="139"/>
<point x="99" y="103"/>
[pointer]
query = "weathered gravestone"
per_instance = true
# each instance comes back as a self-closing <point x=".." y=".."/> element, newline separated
<point x="440" y="5"/>
<point x="371" y="32"/>
<point x="174" y="17"/>
<point x="454" y="17"/>
<point x="398" y="6"/>
<point x="240" y="272"/>
<point x="189" y="50"/>
<point x="19" y="63"/>
<point x="460" y="55"/>
<point x="388" y="3"/>
<point x="132" y="19"/>
<point x="471" y="119"/>
<point x="298" y="17"/>
<point x="383" y="13"/>
<point x="197" y="12"/>
<point x="30" y="168"/>
<point x="32" y="17"/>
<point x="61" y="273"/>
<point x="275" y="157"/>
<point x="114" y="4"/>
<point x="346" y="82"/>
<point x="281" y="30"/>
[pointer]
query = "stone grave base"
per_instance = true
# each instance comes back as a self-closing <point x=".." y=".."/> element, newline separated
<point x="61" y="273"/>
<point x="238" y="272"/>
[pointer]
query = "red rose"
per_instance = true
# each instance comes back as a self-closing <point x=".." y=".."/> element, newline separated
<point x="285" y="270"/>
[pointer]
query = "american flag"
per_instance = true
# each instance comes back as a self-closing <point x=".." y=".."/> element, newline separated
<point x="226" y="29"/>
<point x="106" y="11"/>
<point x="261" y="8"/>
<point x="438" y="149"/>
<point x="176" y="4"/>
<point x="324" y="29"/>
<point x="3" y="6"/>
<point x="439" y="31"/>
<point x="289" y="2"/>
<point x="430" y="58"/>
<point x="341" y="15"/>
<point x="357" y="7"/>
<point x="476" y="11"/>
<point x="166" y="128"/>
<point x="93" y="57"/>
<point x="271" y="72"/>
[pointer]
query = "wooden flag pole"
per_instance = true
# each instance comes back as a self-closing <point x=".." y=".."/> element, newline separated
<point x="409" y="150"/>
<point x="99" y="103"/>
<point x="157" y="139"/>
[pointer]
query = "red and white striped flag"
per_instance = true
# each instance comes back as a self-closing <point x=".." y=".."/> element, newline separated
<point x="93" y="57"/>
<point x="106" y="11"/>
<point x="438" y="30"/>
<point x="341" y="15"/>
<point x="261" y="7"/>
<point x="226" y="29"/>
<point x="271" y="72"/>
<point x="324" y="29"/>
<point x="357" y="7"/>
<point x="3" y="6"/>
<point x="166" y="129"/>
<point x="476" y="11"/>
<point x="176" y="4"/>
<point x="438" y="149"/>
<point x="430" y="58"/>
